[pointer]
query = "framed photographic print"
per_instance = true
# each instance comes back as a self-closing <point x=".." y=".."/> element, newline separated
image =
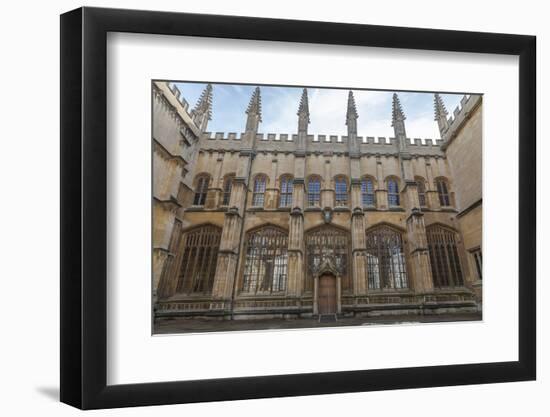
<point x="258" y="208"/>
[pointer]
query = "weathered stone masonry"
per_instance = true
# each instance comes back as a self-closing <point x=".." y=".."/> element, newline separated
<point x="289" y="225"/>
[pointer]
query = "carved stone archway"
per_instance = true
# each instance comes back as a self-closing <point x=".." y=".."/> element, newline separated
<point x="327" y="268"/>
<point x="327" y="254"/>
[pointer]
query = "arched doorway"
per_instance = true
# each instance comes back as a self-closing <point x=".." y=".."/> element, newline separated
<point x="327" y="295"/>
<point x="327" y="291"/>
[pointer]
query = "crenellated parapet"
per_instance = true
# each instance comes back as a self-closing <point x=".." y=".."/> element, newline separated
<point x="177" y="95"/>
<point x="460" y="116"/>
<point x="170" y="99"/>
<point x="282" y="142"/>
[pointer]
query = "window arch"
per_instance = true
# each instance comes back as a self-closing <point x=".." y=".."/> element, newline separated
<point x="201" y="189"/>
<point x="341" y="191"/>
<point x="314" y="191"/>
<point x="285" y="197"/>
<point x="386" y="268"/>
<point x="367" y="192"/>
<point x="446" y="269"/>
<point x="330" y="243"/>
<point x="258" y="194"/>
<point x="266" y="261"/>
<point x="199" y="260"/>
<point x="227" y="186"/>
<point x="393" y="192"/>
<point x="443" y="192"/>
<point x="421" y="187"/>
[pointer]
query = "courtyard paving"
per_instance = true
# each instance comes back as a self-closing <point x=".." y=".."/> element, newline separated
<point x="186" y="325"/>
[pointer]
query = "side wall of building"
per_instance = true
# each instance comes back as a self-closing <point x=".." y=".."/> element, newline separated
<point x="464" y="154"/>
<point x="175" y="140"/>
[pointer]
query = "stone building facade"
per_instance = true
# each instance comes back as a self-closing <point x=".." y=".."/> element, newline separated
<point x="294" y="225"/>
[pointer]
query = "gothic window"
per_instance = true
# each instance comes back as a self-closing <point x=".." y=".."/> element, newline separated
<point x="201" y="190"/>
<point x="285" y="199"/>
<point x="421" y="187"/>
<point x="446" y="270"/>
<point x="341" y="191"/>
<point x="258" y="195"/>
<point x="393" y="192"/>
<point x="331" y="244"/>
<point x="200" y="255"/>
<point x="314" y="191"/>
<point x="367" y="192"/>
<point x="443" y="192"/>
<point x="478" y="261"/>
<point x="227" y="184"/>
<point x="386" y="268"/>
<point x="266" y="261"/>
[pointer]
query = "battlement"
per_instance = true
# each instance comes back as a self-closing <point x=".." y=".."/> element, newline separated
<point x="460" y="114"/>
<point x="320" y="139"/>
<point x="177" y="94"/>
<point x="284" y="142"/>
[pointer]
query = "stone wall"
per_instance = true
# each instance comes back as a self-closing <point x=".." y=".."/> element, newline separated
<point x="183" y="153"/>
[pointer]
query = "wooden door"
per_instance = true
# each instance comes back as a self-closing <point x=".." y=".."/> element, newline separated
<point x="327" y="294"/>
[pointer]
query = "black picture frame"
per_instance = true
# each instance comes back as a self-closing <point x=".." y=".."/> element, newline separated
<point x="84" y="207"/>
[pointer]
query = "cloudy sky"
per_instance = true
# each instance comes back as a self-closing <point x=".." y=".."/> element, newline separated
<point x="327" y="109"/>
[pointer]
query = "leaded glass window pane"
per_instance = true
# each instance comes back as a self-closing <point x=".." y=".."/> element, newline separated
<point x="443" y="192"/>
<point x="446" y="269"/>
<point x="200" y="191"/>
<point x="386" y="267"/>
<point x="393" y="193"/>
<point x="227" y="185"/>
<point x="266" y="261"/>
<point x="341" y="191"/>
<point x="314" y="192"/>
<point x="421" y="187"/>
<point x="367" y="192"/>
<point x="199" y="260"/>
<point x="258" y="196"/>
<point x="478" y="259"/>
<point x="285" y="199"/>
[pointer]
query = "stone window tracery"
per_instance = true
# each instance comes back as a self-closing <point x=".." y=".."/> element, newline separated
<point x="201" y="190"/>
<point x="478" y="260"/>
<point x="386" y="266"/>
<point x="266" y="261"/>
<point x="421" y="187"/>
<point x="393" y="192"/>
<point x="367" y="192"/>
<point x="199" y="260"/>
<point x="332" y="244"/>
<point x="258" y="195"/>
<point x="285" y="198"/>
<point x="443" y="192"/>
<point x="314" y="191"/>
<point x="442" y="245"/>
<point x="227" y="185"/>
<point x="341" y="191"/>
